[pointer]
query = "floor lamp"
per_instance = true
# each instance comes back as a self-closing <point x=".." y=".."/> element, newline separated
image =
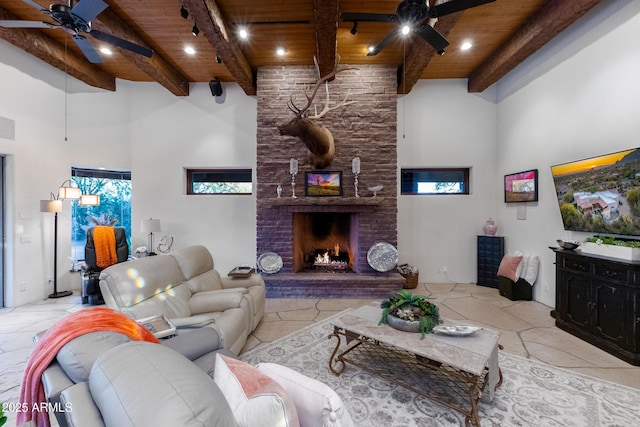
<point x="54" y="206"/>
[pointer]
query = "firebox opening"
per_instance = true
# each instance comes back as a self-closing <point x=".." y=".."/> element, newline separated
<point x="323" y="242"/>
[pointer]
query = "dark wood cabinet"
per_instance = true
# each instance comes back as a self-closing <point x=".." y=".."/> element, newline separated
<point x="597" y="299"/>
<point x="490" y="253"/>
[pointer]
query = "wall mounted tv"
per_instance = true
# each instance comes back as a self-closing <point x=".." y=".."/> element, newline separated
<point x="600" y="194"/>
<point x="521" y="187"/>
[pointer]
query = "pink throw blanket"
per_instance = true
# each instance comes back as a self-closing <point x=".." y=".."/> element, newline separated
<point x="70" y="327"/>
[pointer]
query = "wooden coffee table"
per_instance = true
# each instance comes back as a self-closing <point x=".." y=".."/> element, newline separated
<point x="452" y="370"/>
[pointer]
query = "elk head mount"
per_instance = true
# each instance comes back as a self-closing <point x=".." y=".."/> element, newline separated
<point x="318" y="139"/>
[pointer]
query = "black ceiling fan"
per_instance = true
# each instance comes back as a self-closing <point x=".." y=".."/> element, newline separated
<point x="76" y="21"/>
<point x="414" y="14"/>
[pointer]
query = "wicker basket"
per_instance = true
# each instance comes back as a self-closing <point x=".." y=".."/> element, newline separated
<point x="410" y="274"/>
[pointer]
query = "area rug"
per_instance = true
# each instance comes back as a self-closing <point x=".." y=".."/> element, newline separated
<point x="532" y="394"/>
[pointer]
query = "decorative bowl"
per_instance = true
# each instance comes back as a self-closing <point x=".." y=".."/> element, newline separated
<point x="568" y="245"/>
<point x="375" y="189"/>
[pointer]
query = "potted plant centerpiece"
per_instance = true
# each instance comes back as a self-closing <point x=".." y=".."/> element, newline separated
<point x="410" y="313"/>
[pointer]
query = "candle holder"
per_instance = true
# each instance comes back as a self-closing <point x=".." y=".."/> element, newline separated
<point x="293" y="169"/>
<point x="355" y="183"/>
<point x="355" y="167"/>
<point x="293" y="186"/>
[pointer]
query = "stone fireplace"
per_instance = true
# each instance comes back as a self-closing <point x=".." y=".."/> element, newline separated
<point x="296" y="228"/>
<point x="324" y="242"/>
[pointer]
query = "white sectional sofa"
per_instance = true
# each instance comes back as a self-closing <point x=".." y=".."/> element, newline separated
<point x="185" y="287"/>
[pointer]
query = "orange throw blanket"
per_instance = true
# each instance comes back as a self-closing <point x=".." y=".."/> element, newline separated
<point x="66" y="329"/>
<point x="104" y="239"/>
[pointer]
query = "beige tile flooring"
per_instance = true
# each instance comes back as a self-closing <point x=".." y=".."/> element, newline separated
<point x="527" y="330"/>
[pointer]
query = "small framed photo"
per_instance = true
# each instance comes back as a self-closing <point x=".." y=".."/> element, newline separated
<point x="323" y="183"/>
<point x="521" y="187"/>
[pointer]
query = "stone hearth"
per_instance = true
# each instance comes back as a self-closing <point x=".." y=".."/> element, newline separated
<point x="365" y="129"/>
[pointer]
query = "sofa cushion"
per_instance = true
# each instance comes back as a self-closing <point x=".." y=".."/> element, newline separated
<point x="144" y="384"/>
<point x="196" y="264"/>
<point x="146" y="287"/>
<point x="77" y="356"/>
<point x="256" y="399"/>
<point x="79" y="408"/>
<point x="317" y="404"/>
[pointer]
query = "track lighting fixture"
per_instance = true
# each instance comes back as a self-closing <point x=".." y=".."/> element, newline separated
<point x="195" y="30"/>
<point x="354" y="29"/>
<point x="218" y="59"/>
<point x="441" y="52"/>
<point x="184" y="12"/>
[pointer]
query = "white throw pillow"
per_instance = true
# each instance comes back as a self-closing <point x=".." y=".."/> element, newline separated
<point x="317" y="404"/>
<point x="255" y="399"/>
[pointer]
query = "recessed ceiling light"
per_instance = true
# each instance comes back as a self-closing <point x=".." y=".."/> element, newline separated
<point x="370" y="48"/>
<point x="406" y="29"/>
<point x="280" y="51"/>
<point x="190" y="50"/>
<point x="466" y="45"/>
<point x="243" y="33"/>
<point x="106" y="51"/>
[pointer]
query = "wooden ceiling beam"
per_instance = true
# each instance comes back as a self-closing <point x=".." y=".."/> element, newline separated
<point x="53" y="53"/>
<point x="209" y="18"/>
<point x="543" y="26"/>
<point x="420" y="54"/>
<point x="156" y="67"/>
<point x="326" y="17"/>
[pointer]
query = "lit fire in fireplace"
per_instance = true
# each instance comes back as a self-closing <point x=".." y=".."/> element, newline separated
<point x="331" y="259"/>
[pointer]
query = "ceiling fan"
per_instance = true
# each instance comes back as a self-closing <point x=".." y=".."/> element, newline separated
<point x="413" y="15"/>
<point x="76" y="21"/>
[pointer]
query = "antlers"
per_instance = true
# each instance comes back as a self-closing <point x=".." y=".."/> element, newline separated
<point x="299" y="112"/>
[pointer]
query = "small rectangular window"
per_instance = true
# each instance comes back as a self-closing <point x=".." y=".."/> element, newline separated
<point x="434" y="181"/>
<point x="219" y="181"/>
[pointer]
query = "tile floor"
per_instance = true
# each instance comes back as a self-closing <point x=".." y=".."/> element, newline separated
<point x="527" y="330"/>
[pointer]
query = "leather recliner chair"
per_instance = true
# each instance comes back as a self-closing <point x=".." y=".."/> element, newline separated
<point x="91" y="271"/>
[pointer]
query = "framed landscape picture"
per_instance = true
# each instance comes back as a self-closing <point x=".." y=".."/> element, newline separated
<point x="323" y="183"/>
<point x="521" y="187"/>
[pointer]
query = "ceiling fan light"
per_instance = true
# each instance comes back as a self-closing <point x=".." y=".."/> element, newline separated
<point x="406" y="29"/>
<point x="466" y="45"/>
<point x="370" y="48"/>
<point x="243" y="33"/>
<point x="106" y="51"/>
<point x="190" y="50"/>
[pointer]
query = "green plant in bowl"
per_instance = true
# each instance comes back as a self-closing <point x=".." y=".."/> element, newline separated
<point x="411" y="308"/>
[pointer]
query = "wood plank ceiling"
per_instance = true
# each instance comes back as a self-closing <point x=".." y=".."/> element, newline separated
<point x="503" y="33"/>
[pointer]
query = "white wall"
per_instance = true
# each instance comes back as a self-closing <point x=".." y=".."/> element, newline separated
<point x="39" y="159"/>
<point x="199" y="131"/>
<point x="585" y="106"/>
<point x="441" y="125"/>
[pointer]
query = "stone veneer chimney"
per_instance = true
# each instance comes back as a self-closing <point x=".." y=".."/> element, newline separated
<point x="365" y="129"/>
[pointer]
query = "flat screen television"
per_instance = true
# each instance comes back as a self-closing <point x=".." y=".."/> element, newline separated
<point x="521" y="187"/>
<point x="600" y="195"/>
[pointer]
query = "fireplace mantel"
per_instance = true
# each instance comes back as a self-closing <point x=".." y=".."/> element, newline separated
<point x="323" y="201"/>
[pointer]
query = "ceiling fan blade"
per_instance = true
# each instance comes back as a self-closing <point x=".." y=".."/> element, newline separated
<point x="34" y="4"/>
<point x="87" y="48"/>
<point x="369" y="17"/>
<point x="384" y="43"/>
<point x="26" y="24"/>
<point x="433" y="37"/>
<point x="89" y="9"/>
<point x="116" y="41"/>
<point x="454" y="6"/>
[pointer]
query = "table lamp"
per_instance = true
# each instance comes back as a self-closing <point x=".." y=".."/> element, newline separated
<point x="150" y="226"/>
